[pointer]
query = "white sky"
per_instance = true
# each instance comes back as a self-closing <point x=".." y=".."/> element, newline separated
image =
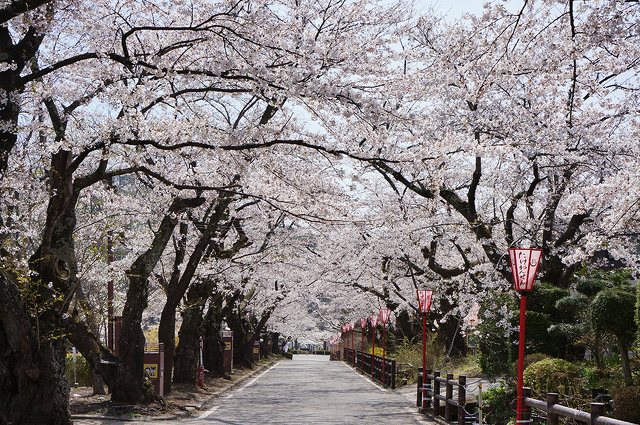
<point x="455" y="8"/>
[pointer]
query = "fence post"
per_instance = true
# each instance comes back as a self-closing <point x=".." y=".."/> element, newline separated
<point x="448" y="411"/>
<point x="436" y="393"/>
<point x="462" y="398"/>
<point x="552" y="418"/>
<point x="427" y="383"/>
<point x="526" y="410"/>
<point x="597" y="409"/>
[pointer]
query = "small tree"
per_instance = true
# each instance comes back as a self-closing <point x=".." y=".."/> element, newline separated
<point x="612" y="311"/>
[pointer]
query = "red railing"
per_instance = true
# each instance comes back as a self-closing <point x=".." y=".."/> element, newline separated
<point x="383" y="370"/>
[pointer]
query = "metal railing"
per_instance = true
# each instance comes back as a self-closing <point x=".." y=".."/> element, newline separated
<point x="383" y="370"/>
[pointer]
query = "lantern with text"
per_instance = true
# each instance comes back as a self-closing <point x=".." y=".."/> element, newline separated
<point x="384" y="316"/>
<point x="424" y="305"/>
<point x="524" y="267"/>
<point x="373" y="319"/>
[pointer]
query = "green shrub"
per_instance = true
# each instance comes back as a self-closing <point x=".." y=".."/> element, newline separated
<point x="554" y="375"/>
<point x="498" y="405"/>
<point x="625" y="404"/>
<point x="497" y="351"/>
<point x="82" y="370"/>
<point x="288" y="355"/>
<point x="410" y="353"/>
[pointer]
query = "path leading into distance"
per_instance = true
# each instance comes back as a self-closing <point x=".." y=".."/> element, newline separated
<point x="310" y="390"/>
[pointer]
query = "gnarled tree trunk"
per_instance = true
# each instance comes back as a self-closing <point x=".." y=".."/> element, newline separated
<point x="129" y="384"/>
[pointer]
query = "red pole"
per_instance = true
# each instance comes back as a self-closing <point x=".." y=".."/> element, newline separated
<point x="520" y="400"/>
<point x="424" y="356"/>
<point x="373" y="348"/>
<point x="362" y="346"/>
<point x="384" y="349"/>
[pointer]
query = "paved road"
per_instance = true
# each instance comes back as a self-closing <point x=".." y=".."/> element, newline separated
<point x="306" y="390"/>
<point x="310" y="390"/>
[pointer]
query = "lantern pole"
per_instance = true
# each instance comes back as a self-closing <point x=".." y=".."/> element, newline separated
<point x="353" y="347"/>
<point x="524" y="267"/>
<point x="374" y="330"/>
<point x="362" y="328"/>
<point x="424" y="355"/>
<point x="384" y="349"/>
<point x="424" y="304"/>
<point x="520" y="400"/>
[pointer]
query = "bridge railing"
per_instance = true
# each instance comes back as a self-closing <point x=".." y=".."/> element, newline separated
<point x="382" y="371"/>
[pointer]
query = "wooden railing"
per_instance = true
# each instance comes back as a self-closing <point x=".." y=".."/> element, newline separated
<point x="555" y="411"/>
<point x="383" y="371"/>
<point x="453" y="408"/>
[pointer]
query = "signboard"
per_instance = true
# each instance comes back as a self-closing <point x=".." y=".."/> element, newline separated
<point x="227" y="345"/>
<point x="524" y="267"/>
<point x="424" y="300"/>
<point x="151" y="370"/>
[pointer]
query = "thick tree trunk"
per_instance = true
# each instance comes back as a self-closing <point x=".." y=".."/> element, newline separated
<point x="188" y="349"/>
<point x="213" y="344"/>
<point x="129" y="385"/>
<point x="33" y="385"/>
<point x="99" y="358"/>
<point x="167" y="336"/>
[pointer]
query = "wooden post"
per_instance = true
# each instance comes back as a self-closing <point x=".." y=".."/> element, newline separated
<point x="436" y="392"/>
<point x="597" y="409"/>
<point x="526" y="410"/>
<point x="462" y="398"/>
<point x="552" y="418"/>
<point x="448" y="408"/>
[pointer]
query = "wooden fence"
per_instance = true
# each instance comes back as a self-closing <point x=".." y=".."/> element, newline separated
<point x="383" y="371"/>
<point x="454" y="408"/>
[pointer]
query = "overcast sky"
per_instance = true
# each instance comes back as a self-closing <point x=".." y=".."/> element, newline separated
<point x="455" y="8"/>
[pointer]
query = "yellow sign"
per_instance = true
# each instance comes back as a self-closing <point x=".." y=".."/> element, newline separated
<point x="151" y="370"/>
<point x="227" y="346"/>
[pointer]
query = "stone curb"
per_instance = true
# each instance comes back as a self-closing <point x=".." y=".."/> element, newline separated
<point x="195" y="404"/>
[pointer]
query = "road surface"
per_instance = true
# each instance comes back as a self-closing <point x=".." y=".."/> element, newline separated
<point x="306" y="390"/>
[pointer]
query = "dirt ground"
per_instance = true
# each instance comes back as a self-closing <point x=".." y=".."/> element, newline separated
<point x="182" y="402"/>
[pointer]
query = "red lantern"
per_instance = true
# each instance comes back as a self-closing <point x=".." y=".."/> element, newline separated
<point x="524" y="267"/>
<point x="424" y="305"/>
<point x="424" y="300"/>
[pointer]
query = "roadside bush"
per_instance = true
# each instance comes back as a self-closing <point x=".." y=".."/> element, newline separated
<point x="410" y="353"/>
<point x="626" y="404"/>
<point x="554" y="375"/>
<point x="496" y="343"/>
<point x="82" y="369"/>
<point x="288" y="355"/>
<point x="499" y="405"/>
